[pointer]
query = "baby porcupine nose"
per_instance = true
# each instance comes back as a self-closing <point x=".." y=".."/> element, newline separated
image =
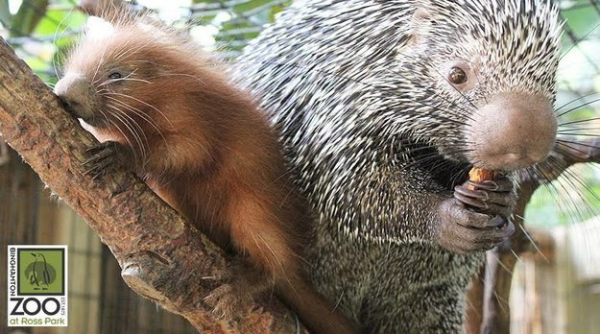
<point x="514" y="131"/>
<point x="77" y="92"/>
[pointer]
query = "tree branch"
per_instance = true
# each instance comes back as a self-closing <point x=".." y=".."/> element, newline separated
<point x="162" y="257"/>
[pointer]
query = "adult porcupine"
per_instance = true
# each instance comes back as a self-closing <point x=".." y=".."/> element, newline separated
<point x="383" y="106"/>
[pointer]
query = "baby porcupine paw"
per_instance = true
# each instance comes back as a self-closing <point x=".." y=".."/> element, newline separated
<point x="477" y="217"/>
<point x="227" y="301"/>
<point x="104" y="158"/>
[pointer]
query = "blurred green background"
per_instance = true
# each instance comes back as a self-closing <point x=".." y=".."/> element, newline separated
<point x="42" y="31"/>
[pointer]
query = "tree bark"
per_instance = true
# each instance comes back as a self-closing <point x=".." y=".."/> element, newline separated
<point x="162" y="257"/>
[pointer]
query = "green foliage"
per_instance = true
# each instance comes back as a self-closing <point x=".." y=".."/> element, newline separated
<point x="4" y="11"/>
<point x="28" y="17"/>
<point x="246" y="19"/>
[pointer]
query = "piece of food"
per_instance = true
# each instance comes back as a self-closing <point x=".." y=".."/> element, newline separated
<point x="477" y="175"/>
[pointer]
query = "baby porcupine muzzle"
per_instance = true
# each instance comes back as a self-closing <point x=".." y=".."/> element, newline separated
<point x="76" y="91"/>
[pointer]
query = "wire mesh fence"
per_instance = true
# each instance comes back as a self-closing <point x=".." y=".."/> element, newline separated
<point x="41" y="32"/>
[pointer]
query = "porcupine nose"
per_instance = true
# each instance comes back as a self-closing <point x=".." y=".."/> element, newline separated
<point x="514" y="131"/>
<point x="76" y="91"/>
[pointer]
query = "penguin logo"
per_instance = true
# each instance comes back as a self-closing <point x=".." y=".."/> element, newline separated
<point x="40" y="273"/>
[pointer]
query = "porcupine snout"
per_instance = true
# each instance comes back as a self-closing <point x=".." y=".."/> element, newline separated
<point x="513" y="131"/>
<point x="77" y="93"/>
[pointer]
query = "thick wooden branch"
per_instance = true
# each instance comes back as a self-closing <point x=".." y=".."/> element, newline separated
<point x="162" y="257"/>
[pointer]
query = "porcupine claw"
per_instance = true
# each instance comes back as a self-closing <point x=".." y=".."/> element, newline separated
<point x="492" y="197"/>
<point x="105" y="158"/>
<point x="224" y="302"/>
<point x="476" y="218"/>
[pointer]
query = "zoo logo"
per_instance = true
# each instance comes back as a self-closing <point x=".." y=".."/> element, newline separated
<point x="37" y="286"/>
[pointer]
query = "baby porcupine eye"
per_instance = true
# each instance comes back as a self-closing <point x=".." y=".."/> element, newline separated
<point x="115" y="76"/>
<point x="457" y="76"/>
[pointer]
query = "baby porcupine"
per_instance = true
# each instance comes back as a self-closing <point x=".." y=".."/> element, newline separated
<point x="383" y="107"/>
<point x="164" y="110"/>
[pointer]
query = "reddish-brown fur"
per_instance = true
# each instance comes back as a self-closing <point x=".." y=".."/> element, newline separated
<point x="210" y="154"/>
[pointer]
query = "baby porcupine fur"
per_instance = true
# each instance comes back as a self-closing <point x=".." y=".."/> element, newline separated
<point x="164" y="110"/>
<point x="383" y="107"/>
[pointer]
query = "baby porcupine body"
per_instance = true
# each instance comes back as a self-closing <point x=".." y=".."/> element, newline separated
<point x="163" y="109"/>
<point x="384" y="107"/>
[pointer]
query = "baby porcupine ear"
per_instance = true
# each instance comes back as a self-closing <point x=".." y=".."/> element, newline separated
<point x="420" y="26"/>
<point x="113" y="11"/>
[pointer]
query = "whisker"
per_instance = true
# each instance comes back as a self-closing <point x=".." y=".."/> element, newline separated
<point x="578" y="134"/>
<point x="573" y="101"/>
<point x="579" y="128"/>
<point x="575" y="178"/>
<point x="140" y="132"/>
<point x="134" y="134"/>
<point x="563" y="141"/>
<point x="491" y="254"/>
<point x="576" y="43"/>
<point x="139" y="113"/>
<point x="501" y="301"/>
<point x="131" y="51"/>
<point x="142" y="102"/>
<point x="55" y="37"/>
<point x="516" y="255"/>
<point x="580" y="106"/>
<point x="580" y="121"/>
<point x="531" y="240"/>
<point x="552" y="164"/>
<point x="100" y="61"/>
<point x="563" y="151"/>
<point x="552" y="191"/>
<point x="135" y="157"/>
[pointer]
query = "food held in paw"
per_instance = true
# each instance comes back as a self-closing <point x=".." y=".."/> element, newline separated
<point x="477" y="175"/>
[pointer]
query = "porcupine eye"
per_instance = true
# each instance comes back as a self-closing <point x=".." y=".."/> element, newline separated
<point x="115" y="76"/>
<point x="457" y="76"/>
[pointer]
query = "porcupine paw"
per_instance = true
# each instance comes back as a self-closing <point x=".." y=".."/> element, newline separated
<point x="104" y="158"/>
<point x="477" y="220"/>
<point x="227" y="301"/>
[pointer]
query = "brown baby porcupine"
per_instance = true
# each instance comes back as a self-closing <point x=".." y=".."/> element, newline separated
<point x="164" y="109"/>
